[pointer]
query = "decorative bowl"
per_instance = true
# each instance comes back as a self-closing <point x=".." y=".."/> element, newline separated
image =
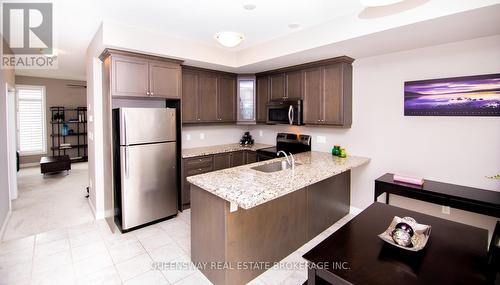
<point x="406" y="233"/>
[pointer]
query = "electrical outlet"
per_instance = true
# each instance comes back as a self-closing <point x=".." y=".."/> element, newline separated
<point x="91" y="119"/>
<point x="445" y="210"/>
<point x="202" y="136"/>
<point x="321" y="139"/>
<point x="261" y="133"/>
<point x="188" y="137"/>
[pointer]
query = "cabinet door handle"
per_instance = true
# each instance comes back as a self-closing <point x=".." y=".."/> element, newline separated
<point x="151" y="93"/>
<point x="147" y="93"/>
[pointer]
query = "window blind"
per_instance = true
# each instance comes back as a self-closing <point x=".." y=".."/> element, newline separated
<point x="31" y="120"/>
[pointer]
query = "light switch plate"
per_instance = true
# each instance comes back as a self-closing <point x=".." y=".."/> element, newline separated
<point x="188" y="137"/>
<point x="91" y="118"/>
<point x="202" y="136"/>
<point x="321" y="139"/>
<point x="261" y="133"/>
<point x="445" y="210"/>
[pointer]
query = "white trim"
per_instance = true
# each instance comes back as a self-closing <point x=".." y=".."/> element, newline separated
<point x="354" y="210"/>
<point x="44" y="120"/>
<point x="4" y="225"/>
<point x="31" y="164"/>
<point x="97" y="216"/>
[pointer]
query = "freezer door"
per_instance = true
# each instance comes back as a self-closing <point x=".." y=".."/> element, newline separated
<point x="147" y="125"/>
<point x="149" y="183"/>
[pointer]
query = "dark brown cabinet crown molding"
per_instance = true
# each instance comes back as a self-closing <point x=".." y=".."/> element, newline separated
<point x="340" y="59"/>
<point x="109" y="51"/>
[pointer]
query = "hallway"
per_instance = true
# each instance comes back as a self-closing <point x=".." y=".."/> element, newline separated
<point x="48" y="203"/>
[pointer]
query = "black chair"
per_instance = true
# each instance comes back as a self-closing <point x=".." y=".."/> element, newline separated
<point x="494" y="255"/>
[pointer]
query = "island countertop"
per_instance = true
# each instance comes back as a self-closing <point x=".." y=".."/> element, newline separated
<point x="249" y="188"/>
<point x="216" y="149"/>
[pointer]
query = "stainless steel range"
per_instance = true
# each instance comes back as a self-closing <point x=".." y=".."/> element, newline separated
<point x="287" y="142"/>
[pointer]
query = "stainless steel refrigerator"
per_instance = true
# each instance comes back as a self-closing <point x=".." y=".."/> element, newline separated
<point x="145" y="161"/>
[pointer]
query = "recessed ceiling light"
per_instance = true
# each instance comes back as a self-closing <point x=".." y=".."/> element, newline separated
<point x="294" y="25"/>
<point x="377" y="3"/>
<point x="229" y="39"/>
<point x="249" y="6"/>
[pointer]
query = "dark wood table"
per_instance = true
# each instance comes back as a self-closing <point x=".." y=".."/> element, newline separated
<point x="454" y="254"/>
<point x="49" y="164"/>
<point x="456" y="196"/>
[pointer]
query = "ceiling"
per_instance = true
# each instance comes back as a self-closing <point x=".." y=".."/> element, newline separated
<point x="151" y="26"/>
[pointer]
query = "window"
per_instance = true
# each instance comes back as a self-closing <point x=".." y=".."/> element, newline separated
<point x="31" y="127"/>
<point x="246" y="100"/>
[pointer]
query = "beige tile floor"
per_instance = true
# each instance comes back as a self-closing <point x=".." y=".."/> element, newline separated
<point x="48" y="203"/>
<point x="91" y="254"/>
<point x="52" y="238"/>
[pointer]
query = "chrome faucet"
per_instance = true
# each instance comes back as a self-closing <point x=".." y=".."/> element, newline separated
<point x="290" y="161"/>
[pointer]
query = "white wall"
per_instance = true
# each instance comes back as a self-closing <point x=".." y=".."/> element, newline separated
<point x="95" y="125"/>
<point x="199" y="136"/>
<point x="6" y="80"/>
<point x="460" y="150"/>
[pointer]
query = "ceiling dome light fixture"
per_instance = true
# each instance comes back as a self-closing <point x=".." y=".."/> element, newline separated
<point x="378" y="3"/>
<point x="229" y="39"/>
<point x="249" y="6"/>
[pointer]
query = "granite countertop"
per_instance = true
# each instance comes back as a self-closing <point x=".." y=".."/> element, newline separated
<point x="249" y="188"/>
<point x="208" y="150"/>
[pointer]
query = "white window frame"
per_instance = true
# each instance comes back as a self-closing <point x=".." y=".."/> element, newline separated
<point x="44" y="120"/>
<point x="239" y="120"/>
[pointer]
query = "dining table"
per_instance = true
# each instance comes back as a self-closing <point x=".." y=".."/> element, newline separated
<point x="455" y="253"/>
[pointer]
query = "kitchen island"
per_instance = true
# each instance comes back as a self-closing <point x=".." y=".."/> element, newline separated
<point x="243" y="220"/>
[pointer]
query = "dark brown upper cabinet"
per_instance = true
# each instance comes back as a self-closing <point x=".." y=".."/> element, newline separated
<point x="328" y="95"/>
<point x="293" y="84"/>
<point x="190" y="100"/>
<point x="262" y="98"/>
<point x="313" y="96"/>
<point x="164" y="79"/>
<point x="286" y="86"/>
<point x="226" y="99"/>
<point x="277" y="86"/>
<point x="130" y="76"/>
<point x="325" y="86"/>
<point x="138" y="75"/>
<point x="208" y="96"/>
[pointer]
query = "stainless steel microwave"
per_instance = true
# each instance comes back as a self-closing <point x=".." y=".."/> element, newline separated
<point x="285" y="112"/>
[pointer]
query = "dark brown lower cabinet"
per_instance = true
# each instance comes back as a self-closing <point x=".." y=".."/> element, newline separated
<point x="237" y="158"/>
<point x="251" y="157"/>
<point x="203" y="164"/>
<point x="222" y="161"/>
<point x="194" y="166"/>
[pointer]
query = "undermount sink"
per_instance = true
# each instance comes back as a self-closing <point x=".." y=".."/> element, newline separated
<point x="273" y="167"/>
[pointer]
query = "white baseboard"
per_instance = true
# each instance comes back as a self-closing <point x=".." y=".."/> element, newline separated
<point x="26" y="165"/>
<point x="4" y="225"/>
<point x="97" y="215"/>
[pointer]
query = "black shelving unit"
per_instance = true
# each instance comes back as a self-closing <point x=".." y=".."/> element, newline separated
<point x="76" y="120"/>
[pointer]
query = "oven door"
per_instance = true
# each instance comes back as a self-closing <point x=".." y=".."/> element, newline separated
<point x="285" y="112"/>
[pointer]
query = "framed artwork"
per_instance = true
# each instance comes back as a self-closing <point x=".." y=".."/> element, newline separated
<point x="458" y="96"/>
